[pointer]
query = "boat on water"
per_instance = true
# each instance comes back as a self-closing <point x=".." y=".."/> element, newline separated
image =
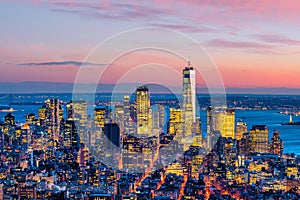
<point x="6" y="108"/>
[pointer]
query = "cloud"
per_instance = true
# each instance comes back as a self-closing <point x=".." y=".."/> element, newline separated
<point x="230" y="17"/>
<point x="217" y="12"/>
<point x="86" y="13"/>
<point x="264" y="9"/>
<point x="278" y="39"/>
<point x="149" y="13"/>
<point x="141" y="10"/>
<point x="185" y="27"/>
<point x="238" y="44"/>
<point x="58" y="63"/>
<point x="117" y="11"/>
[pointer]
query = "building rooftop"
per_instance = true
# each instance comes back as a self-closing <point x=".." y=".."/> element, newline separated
<point x="259" y="127"/>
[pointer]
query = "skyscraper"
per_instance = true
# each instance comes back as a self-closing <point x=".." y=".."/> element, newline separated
<point x="112" y="138"/>
<point x="54" y="115"/>
<point x="119" y="116"/>
<point x="258" y="139"/>
<point x="161" y="111"/>
<point x="79" y="108"/>
<point x="158" y="116"/>
<point x="30" y="118"/>
<point x="224" y="122"/>
<point x="9" y="119"/>
<point x="26" y="136"/>
<point x="189" y="100"/>
<point x="276" y="145"/>
<point x="70" y="111"/>
<point x="71" y="137"/>
<point x="42" y="116"/>
<point x="209" y="128"/>
<point x="197" y="133"/>
<point x="243" y="146"/>
<point x="144" y="122"/>
<point x="83" y="156"/>
<point x="228" y="124"/>
<point x="175" y="123"/>
<point x="99" y="117"/>
<point x="240" y="129"/>
<point x="126" y="113"/>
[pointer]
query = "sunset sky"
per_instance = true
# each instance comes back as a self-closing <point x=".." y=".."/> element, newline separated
<point x="253" y="43"/>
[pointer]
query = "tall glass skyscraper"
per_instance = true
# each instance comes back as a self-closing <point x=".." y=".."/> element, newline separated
<point x="127" y="117"/>
<point x="189" y="100"/>
<point x="143" y="109"/>
<point x="54" y="115"/>
<point x="259" y="139"/>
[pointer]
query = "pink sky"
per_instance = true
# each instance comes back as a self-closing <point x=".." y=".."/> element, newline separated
<point x="253" y="43"/>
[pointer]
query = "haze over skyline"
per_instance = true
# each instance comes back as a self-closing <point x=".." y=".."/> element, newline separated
<point x="255" y="44"/>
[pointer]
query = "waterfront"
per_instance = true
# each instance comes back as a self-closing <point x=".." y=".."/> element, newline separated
<point x="289" y="134"/>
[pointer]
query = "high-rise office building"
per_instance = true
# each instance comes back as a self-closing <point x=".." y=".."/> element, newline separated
<point x="30" y="118"/>
<point x="83" y="156"/>
<point x="258" y="139"/>
<point x="130" y="148"/>
<point x="161" y="114"/>
<point x="209" y="128"/>
<point x="81" y="120"/>
<point x="227" y="130"/>
<point x="79" y="109"/>
<point x="197" y="133"/>
<point x="155" y="119"/>
<point x="9" y="119"/>
<point x="99" y="121"/>
<point x="175" y="123"/>
<point x="127" y="118"/>
<point x="224" y="122"/>
<point x="276" y="144"/>
<point x="243" y="145"/>
<point x="240" y="129"/>
<point x="26" y="136"/>
<point x="189" y="100"/>
<point x="70" y="111"/>
<point x="99" y="117"/>
<point x="39" y="141"/>
<point x="143" y="110"/>
<point x="42" y="116"/>
<point x="71" y="137"/>
<point x="108" y="114"/>
<point x="218" y="119"/>
<point x="158" y="116"/>
<point x="53" y="116"/>
<point x="119" y="116"/>
<point x="112" y="138"/>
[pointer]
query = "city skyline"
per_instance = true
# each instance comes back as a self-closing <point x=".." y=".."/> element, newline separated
<point x="142" y="148"/>
<point x="149" y="100"/>
<point x="99" y="154"/>
<point x="48" y="41"/>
